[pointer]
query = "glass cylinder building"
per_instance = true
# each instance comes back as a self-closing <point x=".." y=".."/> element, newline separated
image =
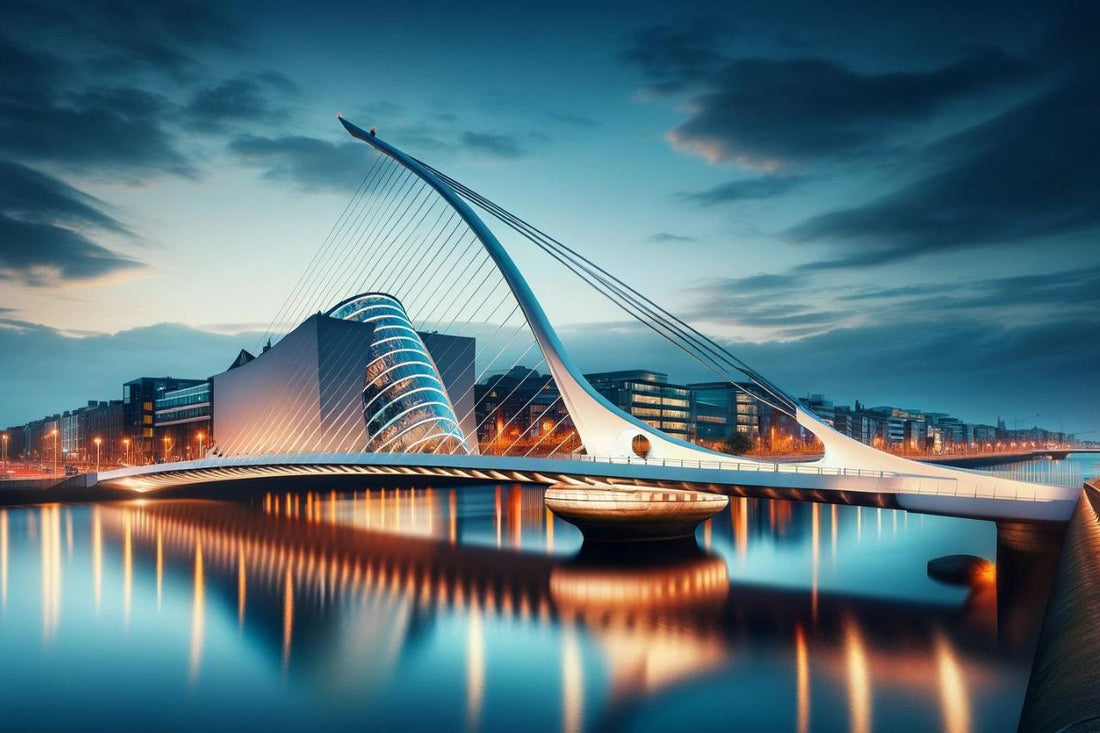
<point x="405" y="404"/>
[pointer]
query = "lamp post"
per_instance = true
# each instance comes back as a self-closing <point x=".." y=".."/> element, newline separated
<point x="126" y="443"/>
<point x="200" y="436"/>
<point x="97" y="441"/>
<point x="55" y="447"/>
<point x="5" y="451"/>
<point x="166" y="440"/>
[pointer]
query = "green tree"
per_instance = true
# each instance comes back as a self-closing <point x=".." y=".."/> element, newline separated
<point x="737" y="443"/>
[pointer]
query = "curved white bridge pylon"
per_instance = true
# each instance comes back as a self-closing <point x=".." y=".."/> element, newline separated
<point x="604" y="430"/>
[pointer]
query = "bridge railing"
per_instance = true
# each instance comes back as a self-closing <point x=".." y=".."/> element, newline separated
<point x="773" y="467"/>
<point x="975" y="485"/>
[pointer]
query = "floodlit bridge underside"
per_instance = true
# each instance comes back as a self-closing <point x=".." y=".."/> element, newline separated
<point x="967" y="495"/>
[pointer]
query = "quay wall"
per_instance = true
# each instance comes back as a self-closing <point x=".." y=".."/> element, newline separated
<point x="1065" y="676"/>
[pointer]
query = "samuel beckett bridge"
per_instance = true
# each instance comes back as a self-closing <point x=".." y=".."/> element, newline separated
<point x="409" y="308"/>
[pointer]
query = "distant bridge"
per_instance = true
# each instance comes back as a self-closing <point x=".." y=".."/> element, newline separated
<point x="394" y="234"/>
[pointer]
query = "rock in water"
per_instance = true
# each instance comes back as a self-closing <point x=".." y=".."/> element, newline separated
<point x="959" y="569"/>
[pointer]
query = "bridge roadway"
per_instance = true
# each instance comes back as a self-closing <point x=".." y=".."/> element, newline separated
<point x="965" y="494"/>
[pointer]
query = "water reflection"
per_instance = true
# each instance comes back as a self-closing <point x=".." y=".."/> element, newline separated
<point x="373" y="596"/>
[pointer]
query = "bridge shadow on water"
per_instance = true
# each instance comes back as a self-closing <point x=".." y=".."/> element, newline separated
<point x="348" y="586"/>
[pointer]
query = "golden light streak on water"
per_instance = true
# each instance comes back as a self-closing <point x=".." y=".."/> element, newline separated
<point x="859" y="679"/>
<point x="954" y="700"/>
<point x="572" y="683"/>
<point x="706" y="533"/>
<point x="743" y="528"/>
<point x="97" y="556"/>
<point x="127" y="564"/>
<point x="160" y="564"/>
<point x="198" y="616"/>
<point x="4" y="559"/>
<point x="288" y="617"/>
<point x="802" y="665"/>
<point x="242" y="585"/>
<point x="475" y="668"/>
<point x="515" y="507"/>
<point x="51" y="569"/>
<point x="815" y="555"/>
<point x="498" y="514"/>
<point x="549" y="532"/>
<point x="453" y="505"/>
<point x="332" y="507"/>
<point x="834" y="518"/>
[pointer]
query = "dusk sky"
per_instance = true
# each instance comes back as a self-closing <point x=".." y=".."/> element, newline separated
<point x="891" y="202"/>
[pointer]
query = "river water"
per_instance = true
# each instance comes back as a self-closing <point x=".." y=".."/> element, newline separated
<point x="472" y="608"/>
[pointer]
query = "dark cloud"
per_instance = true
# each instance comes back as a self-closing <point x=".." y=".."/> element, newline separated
<point x="163" y="37"/>
<point x="777" y="114"/>
<point x="1062" y="292"/>
<point x="795" y="305"/>
<point x="96" y="92"/>
<point x="678" y="56"/>
<point x="44" y="230"/>
<point x="307" y="162"/>
<point x="668" y="238"/>
<point x="1027" y="174"/>
<point x="493" y="145"/>
<point x="752" y="188"/>
<point x="34" y="196"/>
<point x="36" y="76"/>
<point x="38" y="254"/>
<point x="110" y="129"/>
<point x="783" y="304"/>
<point x="244" y="99"/>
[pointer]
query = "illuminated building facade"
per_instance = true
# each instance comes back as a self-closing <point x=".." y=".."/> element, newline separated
<point x="649" y="397"/>
<point x="139" y="397"/>
<point x="356" y="379"/>
<point x="719" y="409"/>
<point x="183" y="422"/>
<point x="406" y="407"/>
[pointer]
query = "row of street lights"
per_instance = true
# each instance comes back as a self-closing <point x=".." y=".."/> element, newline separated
<point x="200" y="437"/>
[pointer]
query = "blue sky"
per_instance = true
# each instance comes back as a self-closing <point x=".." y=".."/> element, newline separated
<point x="895" y="204"/>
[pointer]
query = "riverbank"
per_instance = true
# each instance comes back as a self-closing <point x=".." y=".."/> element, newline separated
<point x="1061" y="692"/>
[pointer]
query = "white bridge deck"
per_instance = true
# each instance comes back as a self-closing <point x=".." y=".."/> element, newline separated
<point x="978" y="497"/>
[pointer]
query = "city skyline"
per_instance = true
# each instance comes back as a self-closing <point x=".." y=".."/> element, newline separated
<point x="796" y="231"/>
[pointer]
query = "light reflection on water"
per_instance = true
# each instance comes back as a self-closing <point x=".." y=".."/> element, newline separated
<point x="474" y="608"/>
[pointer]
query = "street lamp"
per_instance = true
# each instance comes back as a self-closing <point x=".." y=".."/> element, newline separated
<point x="5" y="450"/>
<point x="166" y="440"/>
<point x="200" y="436"/>
<point x="97" y="443"/>
<point x="55" y="447"/>
<point x="126" y="443"/>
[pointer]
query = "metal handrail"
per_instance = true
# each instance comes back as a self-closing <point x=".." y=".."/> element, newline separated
<point x="936" y="485"/>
